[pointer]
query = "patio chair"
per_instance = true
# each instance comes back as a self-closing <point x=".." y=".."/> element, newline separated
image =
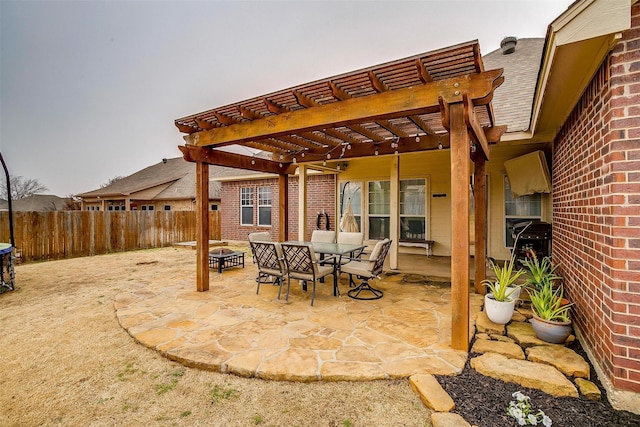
<point x="303" y="265"/>
<point x="258" y="236"/>
<point x="270" y="262"/>
<point x="323" y="236"/>
<point x="352" y="239"/>
<point x="366" y="271"/>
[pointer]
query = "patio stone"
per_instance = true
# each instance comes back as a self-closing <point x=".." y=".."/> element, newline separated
<point x="398" y="350"/>
<point x="508" y="349"/>
<point x="588" y="389"/>
<point x="501" y="338"/>
<point x="483" y="324"/>
<point x="523" y="334"/>
<point x="315" y="343"/>
<point x="290" y="365"/>
<point x="448" y="419"/>
<point x="231" y="329"/>
<point x="245" y="364"/>
<point x="431" y="392"/>
<point x="351" y="371"/>
<point x="564" y="359"/>
<point x="356" y="354"/>
<point x="431" y="364"/>
<point x="151" y="338"/>
<point x="526" y="373"/>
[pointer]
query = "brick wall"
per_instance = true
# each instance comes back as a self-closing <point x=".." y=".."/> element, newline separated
<point x="320" y="195"/>
<point x="596" y="211"/>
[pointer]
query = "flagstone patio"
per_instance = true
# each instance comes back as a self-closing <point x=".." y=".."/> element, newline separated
<point x="231" y="329"/>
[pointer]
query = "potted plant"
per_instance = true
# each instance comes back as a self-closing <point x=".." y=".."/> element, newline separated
<point x="550" y="321"/>
<point x="539" y="270"/>
<point x="503" y="292"/>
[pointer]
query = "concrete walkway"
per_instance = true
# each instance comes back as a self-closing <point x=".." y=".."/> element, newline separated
<point x="231" y="329"/>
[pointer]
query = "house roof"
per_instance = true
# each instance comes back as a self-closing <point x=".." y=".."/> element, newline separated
<point x="40" y="203"/>
<point x="166" y="180"/>
<point x="397" y="106"/>
<point x="513" y="100"/>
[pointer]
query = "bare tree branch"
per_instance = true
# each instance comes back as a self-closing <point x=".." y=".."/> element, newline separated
<point x="22" y="187"/>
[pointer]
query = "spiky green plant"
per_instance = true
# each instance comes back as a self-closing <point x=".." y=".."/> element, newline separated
<point x="540" y="271"/>
<point x="547" y="303"/>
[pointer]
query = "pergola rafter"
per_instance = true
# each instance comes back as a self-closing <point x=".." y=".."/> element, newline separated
<point x="429" y="101"/>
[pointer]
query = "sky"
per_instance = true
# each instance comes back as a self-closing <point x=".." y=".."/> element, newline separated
<point x="89" y="90"/>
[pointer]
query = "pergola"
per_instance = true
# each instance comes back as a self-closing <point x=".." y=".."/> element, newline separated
<point x="440" y="98"/>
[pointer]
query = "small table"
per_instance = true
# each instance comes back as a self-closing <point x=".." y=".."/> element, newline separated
<point x="225" y="258"/>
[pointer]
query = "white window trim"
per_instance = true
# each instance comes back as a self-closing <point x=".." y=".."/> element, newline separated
<point x="261" y="206"/>
<point x="248" y="205"/>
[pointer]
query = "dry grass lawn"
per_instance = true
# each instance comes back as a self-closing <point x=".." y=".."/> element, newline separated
<point x="65" y="361"/>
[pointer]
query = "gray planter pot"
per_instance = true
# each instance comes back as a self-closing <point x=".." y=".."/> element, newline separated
<point x="550" y="331"/>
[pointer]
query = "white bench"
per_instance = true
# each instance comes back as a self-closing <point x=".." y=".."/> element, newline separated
<point x="420" y="243"/>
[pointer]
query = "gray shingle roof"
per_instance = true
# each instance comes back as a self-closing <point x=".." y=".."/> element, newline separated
<point x="40" y="203"/>
<point x="513" y="100"/>
<point x="177" y="173"/>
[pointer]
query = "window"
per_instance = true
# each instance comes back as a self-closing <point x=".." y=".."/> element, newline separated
<point x="214" y="207"/>
<point x="412" y="209"/>
<point x="264" y="206"/>
<point x="523" y="208"/>
<point x="167" y="207"/>
<point x="246" y="206"/>
<point x="379" y="209"/>
<point x="143" y="207"/>
<point x="151" y="207"/>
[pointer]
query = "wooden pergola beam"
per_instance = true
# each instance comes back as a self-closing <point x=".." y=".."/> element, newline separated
<point x="233" y="160"/>
<point x="386" y="105"/>
<point x="471" y="120"/>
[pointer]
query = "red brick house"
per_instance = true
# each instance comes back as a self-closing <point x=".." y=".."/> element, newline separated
<point x="575" y="97"/>
<point x="596" y="183"/>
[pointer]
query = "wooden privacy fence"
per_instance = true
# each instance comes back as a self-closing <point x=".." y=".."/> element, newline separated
<point x="68" y="234"/>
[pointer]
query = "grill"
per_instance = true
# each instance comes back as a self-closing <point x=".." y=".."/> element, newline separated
<point x="535" y="238"/>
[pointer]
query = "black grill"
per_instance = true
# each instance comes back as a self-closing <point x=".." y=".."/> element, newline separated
<point x="535" y="237"/>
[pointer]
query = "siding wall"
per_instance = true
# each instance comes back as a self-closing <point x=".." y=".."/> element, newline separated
<point x="596" y="177"/>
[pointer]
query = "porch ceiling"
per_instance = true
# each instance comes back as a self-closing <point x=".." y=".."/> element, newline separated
<point x="395" y="107"/>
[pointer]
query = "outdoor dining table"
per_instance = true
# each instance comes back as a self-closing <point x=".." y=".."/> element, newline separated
<point x="332" y="249"/>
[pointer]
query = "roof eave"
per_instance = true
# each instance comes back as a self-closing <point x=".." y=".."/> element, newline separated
<point x="576" y="44"/>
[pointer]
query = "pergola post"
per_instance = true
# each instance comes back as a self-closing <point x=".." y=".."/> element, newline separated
<point x="460" y="200"/>
<point x="202" y="226"/>
<point x="283" y="206"/>
<point x="480" y="215"/>
<point x="302" y="202"/>
<point x="395" y="211"/>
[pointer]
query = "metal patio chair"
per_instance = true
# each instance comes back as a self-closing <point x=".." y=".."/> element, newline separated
<point x="367" y="270"/>
<point x="271" y="265"/>
<point x="303" y="265"/>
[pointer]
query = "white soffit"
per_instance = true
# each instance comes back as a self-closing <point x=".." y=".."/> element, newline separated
<point x="577" y="42"/>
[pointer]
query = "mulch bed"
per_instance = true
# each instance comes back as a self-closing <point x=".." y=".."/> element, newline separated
<point x="483" y="401"/>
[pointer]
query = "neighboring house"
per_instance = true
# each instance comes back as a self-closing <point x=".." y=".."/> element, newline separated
<point x="167" y="185"/>
<point x="250" y="201"/>
<point x="574" y="97"/>
<point x="41" y="203"/>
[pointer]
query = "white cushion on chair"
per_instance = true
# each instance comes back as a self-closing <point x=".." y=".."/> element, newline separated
<point x="376" y="249"/>
<point x="350" y="238"/>
<point x="260" y="236"/>
<point x="358" y="268"/>
<point x="323" y="236"/>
